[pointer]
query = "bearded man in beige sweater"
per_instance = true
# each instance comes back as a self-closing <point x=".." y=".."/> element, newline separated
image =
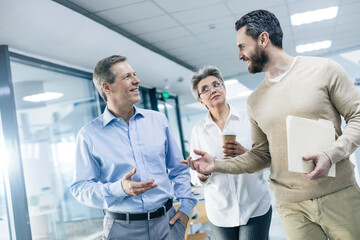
<point x="311" y="205"/>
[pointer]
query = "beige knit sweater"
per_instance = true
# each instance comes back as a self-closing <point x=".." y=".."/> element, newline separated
<point x="314" y="88"/>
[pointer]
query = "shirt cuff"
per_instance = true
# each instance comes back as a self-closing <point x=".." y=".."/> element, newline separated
<point x="187" y="206"/>
<point x="117" y="190"/>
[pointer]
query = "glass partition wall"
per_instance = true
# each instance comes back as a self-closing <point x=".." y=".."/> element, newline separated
<point x="4" y="221"/>
<point x="51" y="107"/>
<point x="169" y="106"/>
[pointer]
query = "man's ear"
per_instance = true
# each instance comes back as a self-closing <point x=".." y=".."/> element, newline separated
<point x="263" y="39"/>
<point x="106" y="87"/>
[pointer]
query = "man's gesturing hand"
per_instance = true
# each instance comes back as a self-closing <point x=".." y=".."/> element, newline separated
<point x="135" y="188"/>
<point x="204" y="165"/>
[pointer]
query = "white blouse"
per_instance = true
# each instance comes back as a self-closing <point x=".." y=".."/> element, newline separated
<point x="230" y="199"/>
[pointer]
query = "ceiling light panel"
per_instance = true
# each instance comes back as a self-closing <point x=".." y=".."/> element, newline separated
<point x="313" y="46"/>
<point x="314" y="16"/>
<point x="43" y="97"/>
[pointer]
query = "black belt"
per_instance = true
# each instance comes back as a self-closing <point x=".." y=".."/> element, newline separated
<point x="141" y="216"/>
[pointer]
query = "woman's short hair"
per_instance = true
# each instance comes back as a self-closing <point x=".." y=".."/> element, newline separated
<point x="204" y="73"/>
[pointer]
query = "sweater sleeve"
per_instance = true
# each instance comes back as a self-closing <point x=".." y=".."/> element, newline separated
<point x="346" y="99"/>
<point x="252" y="161"/>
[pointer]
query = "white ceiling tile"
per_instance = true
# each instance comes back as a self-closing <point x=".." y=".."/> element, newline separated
<point x="351" y="8"/>
<point x="313" y="32"/>
<point x="311" y="39"/>
<point x="223" y="43"/>
<point x="287" y="30"/>
<point x="310" y="5"/>
<point x="349" y="19"/>
<point x="202" y="14"/>
<point x="309" y="29"/>
<point x="180" y="42"/>
<point x="212" y="25"/>
<point x="227" y="67"/>
<point x="131" y="13"/>
<point x="176" y="6"/>
<point x="248" y="6"/>
<point x="293" y="1"/>
<point x="197" y="56"/>
<point x="344" y="2"/>
<point x="166" y="34"/>
<point x="314" y="38"/>
<point x="149" y="25"/>
<point x="208" y="57"/>
<point x="348" y="35"/>
<point x="343" y="44"/>
<point x="346" y="27"/>
<point x="192" y="50"/>
<point x="96" y="5"/>
<point x="217" y="34"/>
<point x="226" y="54"/>
<point x="281" y="12"/>
<point x="288" y="42"/>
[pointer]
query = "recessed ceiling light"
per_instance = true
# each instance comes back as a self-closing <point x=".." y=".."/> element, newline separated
<point x="42" y="97"/>
<point x="314" y="16"/>
<point x="313" y="46"/>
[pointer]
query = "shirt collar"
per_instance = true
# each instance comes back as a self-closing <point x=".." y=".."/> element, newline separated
<point x="108" y="117"/>
<point x="232" y="114"/>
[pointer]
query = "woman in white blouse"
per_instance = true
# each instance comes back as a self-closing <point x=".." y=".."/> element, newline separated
<point x="237" y="206"/>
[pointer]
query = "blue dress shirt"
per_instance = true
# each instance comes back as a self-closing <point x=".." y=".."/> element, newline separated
<point x="107" y="148"/>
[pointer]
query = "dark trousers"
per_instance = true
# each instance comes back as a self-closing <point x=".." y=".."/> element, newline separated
<point x="257" y="228"/>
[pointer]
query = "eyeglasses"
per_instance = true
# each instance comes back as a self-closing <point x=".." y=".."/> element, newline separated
<point x="207" y="89"/>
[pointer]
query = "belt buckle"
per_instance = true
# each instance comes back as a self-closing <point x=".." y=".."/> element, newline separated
<point x="148" y="216"/>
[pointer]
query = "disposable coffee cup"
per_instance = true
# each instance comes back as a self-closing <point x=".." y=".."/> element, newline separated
<point x="225" y="137"/>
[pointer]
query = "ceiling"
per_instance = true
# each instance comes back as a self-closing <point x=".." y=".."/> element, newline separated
<point x="201" y="32"/>
<point x="164" y="40"/>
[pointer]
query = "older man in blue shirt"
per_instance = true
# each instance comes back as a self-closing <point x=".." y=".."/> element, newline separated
<point x="127" y="160"/>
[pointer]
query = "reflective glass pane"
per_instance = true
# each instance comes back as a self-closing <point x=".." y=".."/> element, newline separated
<point x="168" y="107"/>
<point x="4" y="224"/>
<point x="51" y="107"/>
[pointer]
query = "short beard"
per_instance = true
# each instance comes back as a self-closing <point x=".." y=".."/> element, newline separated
<point x="258" y="61"/>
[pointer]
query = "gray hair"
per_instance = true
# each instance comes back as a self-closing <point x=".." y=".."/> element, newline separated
<point x="260" y="21"/>
<point x="103" y="72"/>
<point x="204" y="73"/>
